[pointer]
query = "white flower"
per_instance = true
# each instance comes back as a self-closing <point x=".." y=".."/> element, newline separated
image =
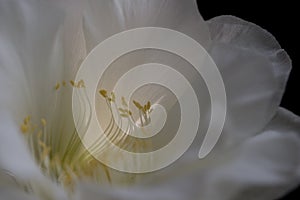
<point x="42" y="44"/>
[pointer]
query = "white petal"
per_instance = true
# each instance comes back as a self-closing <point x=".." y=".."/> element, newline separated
<point x="94" y="192"/>
<point x="27" y="35"/>
<point x="15" y="194"/>
<point x="255" y="70"/>
<point x="31" y="61"/>
<point x="39" y="42"/>
<point x="105" y="18"/>
<point x="14" y="155"/>
<point x="264" y="167"/>
<point x="32" y="57"/>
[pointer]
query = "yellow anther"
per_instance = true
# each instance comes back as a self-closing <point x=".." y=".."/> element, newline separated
<point x="124" y="102"/>
<point x="81" y="84"/>
<point x="57" y="86"/>
<point x="148" y="105"/>
<point x="64" y="83"/>
<point x="44" y="122"/>
<point x="138" y="105"/>
<point x="121" y="110"/>
<point x="27" y="120"/>
<point x="24" y="128"/>
<point x="125" y="112"/>
<point x="72" y="83"/>
<point x="103" y="93"/>
<point x="45" y="149"/>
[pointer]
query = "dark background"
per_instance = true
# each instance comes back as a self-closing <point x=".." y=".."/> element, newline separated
<point x="279" y="18"/>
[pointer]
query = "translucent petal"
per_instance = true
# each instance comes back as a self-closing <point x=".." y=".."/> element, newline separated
<point x="255" y="70"/>
<point x="31" y="54"/>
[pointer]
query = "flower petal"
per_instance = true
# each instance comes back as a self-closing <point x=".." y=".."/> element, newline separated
<point x="263" y="167"/>
<point x="14" y="155"/>
<point x="31" y="52"/>
<point x="104" y="18"/>
<point x="39" y="47"/>
<point x="93" y="192"/>
<point x="31" y="61"/>
<point x="15" y="194"/>
<point x="255" y="71"/>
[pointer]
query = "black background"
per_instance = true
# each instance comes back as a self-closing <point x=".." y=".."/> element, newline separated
<point x="279" y="18"/>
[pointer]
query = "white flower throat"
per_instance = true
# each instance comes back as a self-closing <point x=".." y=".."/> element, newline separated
<point x="66" y="161"/>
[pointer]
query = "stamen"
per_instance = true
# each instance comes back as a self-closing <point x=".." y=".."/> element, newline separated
<point x="144" y="110"/>
<point x="27" y="119"/>
<point x="72" y="83"/>
<point x="45" y="150"/>
<point x="113" y="97"/>
<point x="44" y="122"/>
<point x="81" y="84"/>
<point x="138" y="105"/>
<point x="24" y="128"/>
<point x="58" y="158"/>
<point x="61" y="155"/>
<point x="103" y="93"/>
<point x="57" y="86"/>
